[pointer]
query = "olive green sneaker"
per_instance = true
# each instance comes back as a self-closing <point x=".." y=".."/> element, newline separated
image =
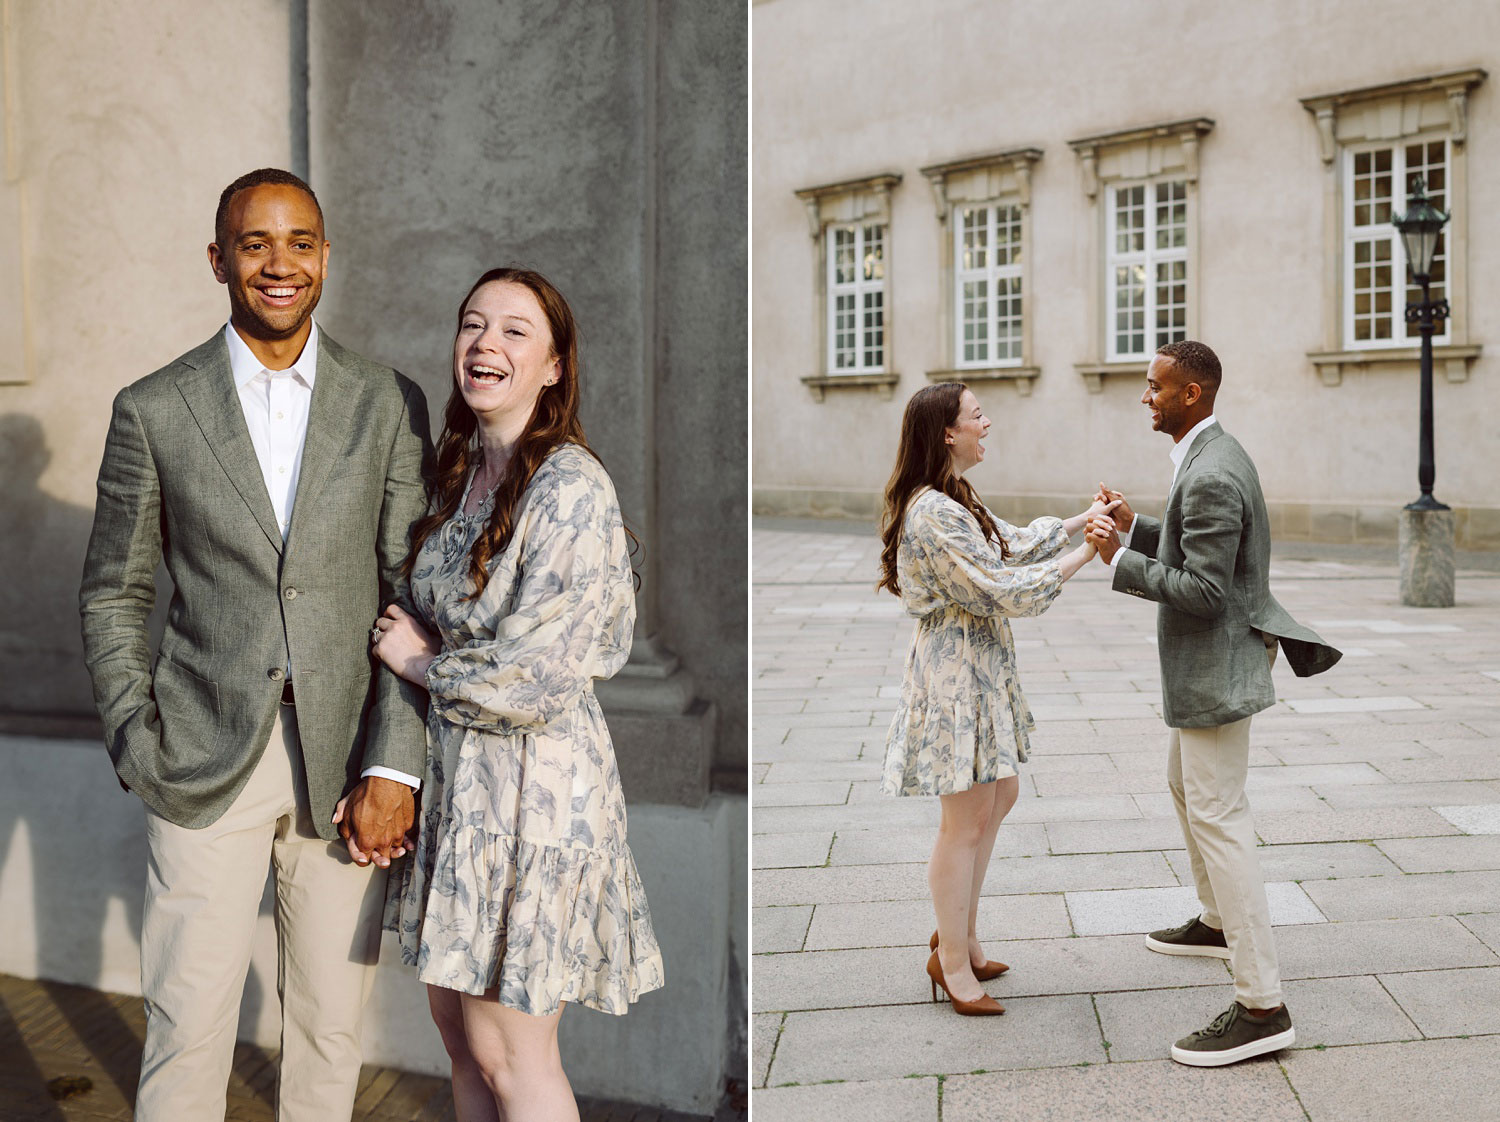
<point x="1193" y="937"/>
<point x="1234" y="1036"/>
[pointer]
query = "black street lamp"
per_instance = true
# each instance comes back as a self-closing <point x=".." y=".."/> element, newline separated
<point x="1419" y="228"/>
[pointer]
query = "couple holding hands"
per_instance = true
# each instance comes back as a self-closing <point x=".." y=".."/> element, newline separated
<point x="962" y="727"/>
<point x="334" y="581"/>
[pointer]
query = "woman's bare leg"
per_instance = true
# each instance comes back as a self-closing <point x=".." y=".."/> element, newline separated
<point x="518" y="1057"/>
<point x="472" y="1099"/>
<point x="1006" y="791"/>
<point x="950" y="878"/>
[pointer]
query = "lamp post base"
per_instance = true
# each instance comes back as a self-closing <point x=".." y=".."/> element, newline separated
<point x="1426" y="558"/>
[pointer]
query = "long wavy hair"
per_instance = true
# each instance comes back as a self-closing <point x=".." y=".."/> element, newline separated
<point x="923" y="460"/>
<point x="554" y="421"/>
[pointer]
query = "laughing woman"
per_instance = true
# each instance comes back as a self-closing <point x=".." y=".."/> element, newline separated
<point x="961" y="729"/>
<point x="521" y="895"/>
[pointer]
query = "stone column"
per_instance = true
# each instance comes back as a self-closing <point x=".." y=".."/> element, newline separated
<point x="1426" y="557"/>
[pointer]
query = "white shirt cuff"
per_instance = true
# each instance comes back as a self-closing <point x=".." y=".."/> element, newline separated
<point x="1115" y="560"/>
<point x="1124" y="536"/>
<point x="391" y="773"/>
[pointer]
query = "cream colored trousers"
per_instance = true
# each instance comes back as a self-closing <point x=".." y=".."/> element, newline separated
<point x="203" y="892"/>
<point x="1206" y="770"/>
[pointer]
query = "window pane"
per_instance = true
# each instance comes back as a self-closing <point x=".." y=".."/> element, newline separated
<point x="874" y="259"/>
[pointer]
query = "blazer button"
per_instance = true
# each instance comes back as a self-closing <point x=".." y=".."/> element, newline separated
<point x="290" y="594"/>
<point x="276" y="673"/>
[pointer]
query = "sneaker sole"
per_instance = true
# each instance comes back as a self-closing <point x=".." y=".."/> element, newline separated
<point x="1186" y="949"/>
<point x="1235" y="1055"/>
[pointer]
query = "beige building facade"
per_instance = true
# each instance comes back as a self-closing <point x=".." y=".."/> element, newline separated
<point x="1032" y="198"/>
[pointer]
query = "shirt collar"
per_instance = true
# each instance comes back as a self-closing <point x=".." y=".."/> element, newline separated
<point x="243" y="364"/>
<point x="1181" y="448"/>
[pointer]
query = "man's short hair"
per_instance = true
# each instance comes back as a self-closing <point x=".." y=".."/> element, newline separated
<point x="260" y="177"/>
<point x="1196" y="361"/>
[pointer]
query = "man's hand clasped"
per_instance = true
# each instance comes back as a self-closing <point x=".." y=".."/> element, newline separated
<point x="377" y="818"/>
<point x="1109" y="515"/>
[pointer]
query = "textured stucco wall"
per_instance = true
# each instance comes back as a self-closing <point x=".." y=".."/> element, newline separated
<point x="845" y="89"/>
<point x="128" y="122"/>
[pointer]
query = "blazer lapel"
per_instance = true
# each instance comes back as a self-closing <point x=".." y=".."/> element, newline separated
<point x="211" y="397"/>
<point x="330" y="421"/>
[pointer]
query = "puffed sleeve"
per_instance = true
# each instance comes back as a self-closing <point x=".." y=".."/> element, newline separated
<point x="571" y="622"/>
<point x="1041" y="541"/>
<point x="964" y="568"/>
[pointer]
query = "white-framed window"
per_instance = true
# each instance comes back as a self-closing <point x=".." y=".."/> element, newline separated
<point x="985" y="291"/>
<point x="987" y="257"/>
<point x="1374" y="142"/>
<point x="1143" y="184"/>
<point x="850" y="225"/>
<point x="856" y="298"/>
<point x="1378" y="181"/>
<point x="1146" y="267"/>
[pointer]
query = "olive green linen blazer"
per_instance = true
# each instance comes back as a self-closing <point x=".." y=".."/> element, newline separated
<point x="1207" y="564"/>
<point x="180" y="480"/>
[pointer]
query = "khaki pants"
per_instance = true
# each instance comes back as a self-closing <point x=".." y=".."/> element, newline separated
<point x="203" y="892"/>
<point x="1206" y="770"/>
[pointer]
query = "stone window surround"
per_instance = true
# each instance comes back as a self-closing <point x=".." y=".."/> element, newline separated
<point x="1395" y="111"/>
<point x="836" y="204"/>
<point x="15" y="323"/>
<point x="1003" y="177"/>
<point x="1147" y="154"/>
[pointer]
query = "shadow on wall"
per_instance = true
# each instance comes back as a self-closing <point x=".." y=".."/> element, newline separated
<point x="72" y="843"/>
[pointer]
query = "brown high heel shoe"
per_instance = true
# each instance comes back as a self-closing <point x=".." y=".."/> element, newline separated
<point x="986" y="973"/>
<point x="985" y="1006"/>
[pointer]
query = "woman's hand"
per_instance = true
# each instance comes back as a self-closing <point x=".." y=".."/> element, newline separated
<point x="1101" y="506"/>
<point x="403" y="644"/>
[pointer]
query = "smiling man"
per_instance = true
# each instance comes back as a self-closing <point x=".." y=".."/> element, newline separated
<point x="1207" y="565"/>
<point x="278" y="475"/>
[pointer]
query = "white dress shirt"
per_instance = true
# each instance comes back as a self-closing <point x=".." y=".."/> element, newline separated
<point x="276" y="404"/>
<point x="1179" y="453"/>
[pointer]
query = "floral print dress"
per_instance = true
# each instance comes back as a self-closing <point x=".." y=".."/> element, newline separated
<point x="521" y="878"/>
<point x="962" y="719"/>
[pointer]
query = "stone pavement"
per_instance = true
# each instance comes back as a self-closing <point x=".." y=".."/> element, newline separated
<point x="1376" y="790"/>
<point x="73" y="1054"/>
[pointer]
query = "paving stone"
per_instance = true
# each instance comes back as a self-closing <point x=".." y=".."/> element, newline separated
<point x="774" y="851"/>
<point x="1449" y="1079"/>
<point x="1407" y="794"/>
<point x="892" y="814"/>
<point x="839" y="884"/>
<point x="1407" y="895"/>
<point x="879" y="1100"/>
<point x="1282" y="828"/>
<point x="881" y="847"/>
<point x="911" y="923"/>
<point x="1076" y="808"/>
<point x="1134" y="1092"/>
<point x="1449" y="1002"/>
<point x="1311" y="775"/>
<point x="1115" y="836"/>
<point x="892" y="1043"/>
<point x="1328" y="1011"/>
<point x="1071" y="872"/>
<point x="822" y="771"/>
<point x="799" y="794"/>
<point x="1379" y="753"/>
<point x="780" y="929"/>
<point x="1434" y="768"/>
<point x="1331" y="950"/>
<point x="1354" y="704"/>
<point x="1436" y="855"/>
<point x="1486" y="925"/>
<point x="1478" y="819"/>
<point x="1127" y="910"/>
<point x="1306" y="862"/>
<point x="765" y="1028"/>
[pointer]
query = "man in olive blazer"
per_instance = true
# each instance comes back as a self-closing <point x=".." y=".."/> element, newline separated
<point x="1206" y="563"/>
<point x="278" y="475"/>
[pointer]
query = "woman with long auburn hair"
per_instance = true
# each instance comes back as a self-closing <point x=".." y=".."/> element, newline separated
<point x="521" y="894"/>
<point x="961" y="729"/>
